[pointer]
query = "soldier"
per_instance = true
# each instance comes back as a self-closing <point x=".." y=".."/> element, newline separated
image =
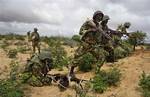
<point x="106" y="42"/>
<point x="91" y="32"/>
<point x="123" y="28"/>
<point x="35" y="38"/>
<point x="28" y="35"/>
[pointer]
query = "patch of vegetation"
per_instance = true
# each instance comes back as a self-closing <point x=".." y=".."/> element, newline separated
<point x="19" y="37"/>
<point x="70" y="43"/>
<point x="3" y="46"/>
<point x="98" y="84"/>
<point x="127" y="47"/>
<point x="86" y="62"/>
<point x="76" y="38"/>
<point x="9" y="36"/>
<point x="22" y="49"/>
<point x="137" y="38"/>
<point x="119" y="52"/>
<point x="104" y="79"/>
<point x="14" y="73"/>
<point x="80" y="92"/>
<point x="12" y="53"/>
<point x="9" y="88"/>
<point x="1" y="37"/>
<point x="147" y="46"/>
<point x="12" y="87"/>
<point x="144" y="84"/>
<point x="122" y="48"/>
<point x="20" y="43"/>
<point x="59" y="54"/>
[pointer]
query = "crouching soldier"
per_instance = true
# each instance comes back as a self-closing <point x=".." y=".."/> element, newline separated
<point x="39" y="65"/>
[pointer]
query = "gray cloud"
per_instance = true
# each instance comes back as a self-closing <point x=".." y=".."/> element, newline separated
<point x="64" y="17"/>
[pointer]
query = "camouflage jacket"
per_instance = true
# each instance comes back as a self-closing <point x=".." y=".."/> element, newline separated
<point x="106" y="30"/>
<point x="35" y="36"/>
<point x="90" y="32"/>
<point x="122" y="29"/>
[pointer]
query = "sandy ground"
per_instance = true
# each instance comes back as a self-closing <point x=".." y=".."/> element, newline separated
<point x="131" y="68"/>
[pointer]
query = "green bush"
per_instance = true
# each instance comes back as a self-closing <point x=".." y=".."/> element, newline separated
<point x="22" y="49"/>
<point x="147" y="47"/>
<point x="12" y="87"/>
<point x="1" y="37"/>
<point x="127" y="47"/>
<point x="12" y="53"/>
<point x="19" y="37"/>
<point x="144" y="83"/>
<point x="4" y="45"/>
<point x="9" y="36"/>
<point x="104" y="79"/>
<point x="76" y="38"/>
<point x="137" y="38"/>
<point x="14" y="72"/>
<point x="85" y="62"/>
<point x="98" y="84"/>
<point x="59" y="55"/>
<point x="112" y="77"/>
<point x="9" y="88"/>
<point x="119" y="52"/>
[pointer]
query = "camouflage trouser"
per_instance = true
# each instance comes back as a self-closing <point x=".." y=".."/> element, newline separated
<point x="35" y="44"/>
<point x="110" y="49"/>
<point x="85" y="48"/>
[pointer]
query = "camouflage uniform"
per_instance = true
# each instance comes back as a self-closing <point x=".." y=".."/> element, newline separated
<point x="123" y="28"/>
<point x="38" y="66"/>
<point x="28" y="36"/>
<point x="35" y="38"/>
<point x="91" y="35"/>
<point x="108" y="46"/>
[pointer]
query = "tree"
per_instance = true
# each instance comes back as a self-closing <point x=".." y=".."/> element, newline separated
<point x="137" y="38"/>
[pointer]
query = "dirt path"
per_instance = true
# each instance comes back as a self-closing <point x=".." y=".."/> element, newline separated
<point x="131" y="68"/>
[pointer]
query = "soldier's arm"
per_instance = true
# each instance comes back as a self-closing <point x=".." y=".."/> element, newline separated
<point x="82" y="30"/>
<point x="87" y="27"/>
<point x="104" y="33"/>
<point x="32" y="36"/>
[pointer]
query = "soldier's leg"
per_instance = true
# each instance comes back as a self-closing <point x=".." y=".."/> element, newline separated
<point x="38" y="47"/>
<point x="100" y="59"/>
<point x="79" y="52"/>
<point x="33" y="46"/>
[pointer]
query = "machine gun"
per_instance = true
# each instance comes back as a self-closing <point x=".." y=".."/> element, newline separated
<point x="63" y="80"/>
<point x="117" y="33"/>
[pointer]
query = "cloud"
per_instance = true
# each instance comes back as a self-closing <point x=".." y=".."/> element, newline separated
<point x="28" y="11"/>
<point x="64" y="17"/>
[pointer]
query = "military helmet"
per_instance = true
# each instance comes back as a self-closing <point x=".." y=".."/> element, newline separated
<point x="35" y="29"/>
<point x="106" y="17"/>
<point x="127" y="24"/>
<point x="98" y="13"/>
<point x="45" y="55"/>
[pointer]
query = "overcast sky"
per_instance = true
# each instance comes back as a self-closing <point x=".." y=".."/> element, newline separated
<point x="64" y="17"/>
